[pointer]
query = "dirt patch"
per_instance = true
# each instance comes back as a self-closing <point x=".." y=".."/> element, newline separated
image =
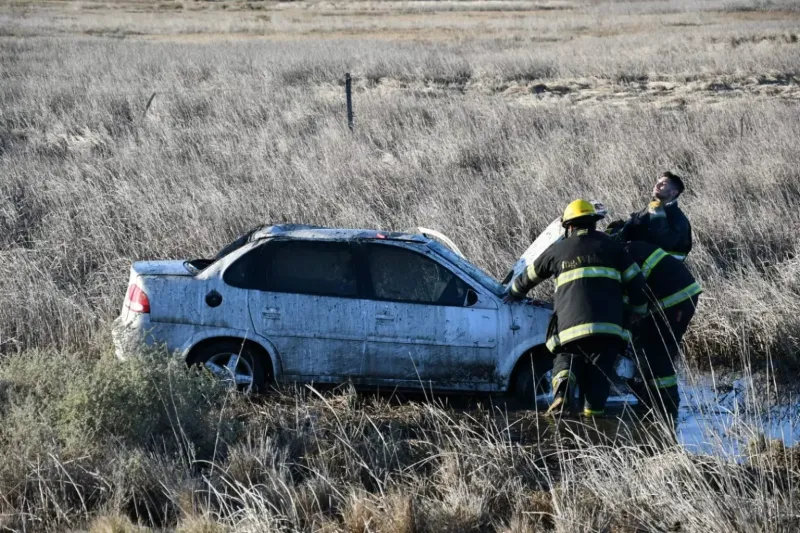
<point x="759" y="15"/>
<point x="611" y="31"/>
<point x="588" y="91"/>
<point x="663" y="93"/>
<point x="421" y="34"/>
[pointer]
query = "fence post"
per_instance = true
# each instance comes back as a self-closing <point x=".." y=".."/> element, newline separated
<point x="147" y="107"/>
<point x="348" y="92"/>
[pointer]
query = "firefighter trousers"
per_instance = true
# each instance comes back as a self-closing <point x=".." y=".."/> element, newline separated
<point x="656" y="344"/>
<point x="588" y="363"/>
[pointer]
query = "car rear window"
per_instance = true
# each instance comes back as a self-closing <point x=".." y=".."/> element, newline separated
<point x="398" y="274"/>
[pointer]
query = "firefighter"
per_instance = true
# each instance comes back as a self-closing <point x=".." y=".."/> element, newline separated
<point x="662" y="223"/>
<point x="591" y="271"/>
<point x="673" y="294"/>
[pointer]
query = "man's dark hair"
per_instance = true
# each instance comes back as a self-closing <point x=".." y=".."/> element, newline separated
<point x="674" y="178"/>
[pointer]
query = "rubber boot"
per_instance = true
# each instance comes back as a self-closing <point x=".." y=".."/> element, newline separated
<point x="668" y="401"/>
<point x="665" y="409"/>
<point x="662" y="400"/>
<point x="589" y="413"/>
<point x="561" y="404"/>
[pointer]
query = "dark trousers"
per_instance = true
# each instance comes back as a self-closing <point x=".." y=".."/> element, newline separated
<point x="656" y="343"/>
<point x="588" y="363"/>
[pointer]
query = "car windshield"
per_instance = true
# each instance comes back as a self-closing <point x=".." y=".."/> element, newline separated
<point x="479" y="275"/>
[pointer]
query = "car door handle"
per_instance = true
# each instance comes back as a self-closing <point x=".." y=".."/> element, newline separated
<point x="384" y="318"/>
<point x="271" y="314"/>
<point x="514" y="327"/>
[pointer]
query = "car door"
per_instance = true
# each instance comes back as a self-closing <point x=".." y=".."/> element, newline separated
<point x="305" y="301"/>
<point x="425" y="323"/>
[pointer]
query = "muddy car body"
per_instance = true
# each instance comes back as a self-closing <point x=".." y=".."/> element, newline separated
<point x="307" y="304"/>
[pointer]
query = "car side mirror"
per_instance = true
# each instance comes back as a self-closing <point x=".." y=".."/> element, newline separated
<point x="472" y="297"/>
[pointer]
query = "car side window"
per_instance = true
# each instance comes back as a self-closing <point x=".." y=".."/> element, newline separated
<point x="302" y="267"/>
<point x="402" y="275"/>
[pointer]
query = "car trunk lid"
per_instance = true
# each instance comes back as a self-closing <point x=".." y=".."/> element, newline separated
<point x="139" y="291"/>
<point x="161" y="268"/>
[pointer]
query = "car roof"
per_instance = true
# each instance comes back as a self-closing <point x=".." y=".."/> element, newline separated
<point x="310" y="232"/>
<point x="304" y="231"/>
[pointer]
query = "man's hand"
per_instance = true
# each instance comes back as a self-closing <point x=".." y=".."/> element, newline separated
<point x="509" y="297"/>
<point x="615" y="227"/>
<point x="656" y="208"/>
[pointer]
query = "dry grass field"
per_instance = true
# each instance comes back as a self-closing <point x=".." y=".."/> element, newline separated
<point x="478" y="118"/>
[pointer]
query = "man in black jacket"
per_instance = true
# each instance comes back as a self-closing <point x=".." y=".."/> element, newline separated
<point x="673" y="294"/>
<point x="662" y="223"/>
<point x="591" y="272"/>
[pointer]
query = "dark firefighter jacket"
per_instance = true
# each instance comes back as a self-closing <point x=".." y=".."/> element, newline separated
<point x="669" y="282"/>
<point x="663" y="225"/>
<point x="591" y="271"/>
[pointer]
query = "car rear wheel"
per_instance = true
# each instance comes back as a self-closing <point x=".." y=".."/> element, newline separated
<point x="235" y="364"/>
<point x="532" y="382"/>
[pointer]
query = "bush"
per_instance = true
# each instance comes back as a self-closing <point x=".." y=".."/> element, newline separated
<point x="80" y="434"/>
<point x="151" y="401"/>
<point x="148" y="401"/>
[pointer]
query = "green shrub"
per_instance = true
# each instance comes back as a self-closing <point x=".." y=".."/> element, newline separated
<point x="84" y="405"/>
<point x="79" y="435"/>
<point x="146" y="401"/>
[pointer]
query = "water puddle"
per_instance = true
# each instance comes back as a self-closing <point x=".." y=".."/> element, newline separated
<point x="724" y="419"/>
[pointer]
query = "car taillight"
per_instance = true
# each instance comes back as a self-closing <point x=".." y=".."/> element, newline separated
<point x="136" y="300"/>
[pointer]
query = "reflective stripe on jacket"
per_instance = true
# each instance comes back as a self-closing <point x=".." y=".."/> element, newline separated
<point x="681" y="296"/>
<point x="669" y="281"/>
<point x="591" y="272"/>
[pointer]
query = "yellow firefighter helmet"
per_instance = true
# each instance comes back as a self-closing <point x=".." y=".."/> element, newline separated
<point x="580" y="210"/>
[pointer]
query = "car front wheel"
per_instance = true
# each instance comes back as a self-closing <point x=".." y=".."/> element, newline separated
<point x="533" y="379"/>
<point x="233" y="363"/>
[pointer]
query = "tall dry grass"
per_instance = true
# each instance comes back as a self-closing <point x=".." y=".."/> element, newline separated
<point x="242" y="134"/>
<point x="129" y="446"/>
<point x="483" y="129"/>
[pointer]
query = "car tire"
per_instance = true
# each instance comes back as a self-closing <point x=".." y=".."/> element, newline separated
<point x="233" y="362"/>
<point x="532" y="380"/>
